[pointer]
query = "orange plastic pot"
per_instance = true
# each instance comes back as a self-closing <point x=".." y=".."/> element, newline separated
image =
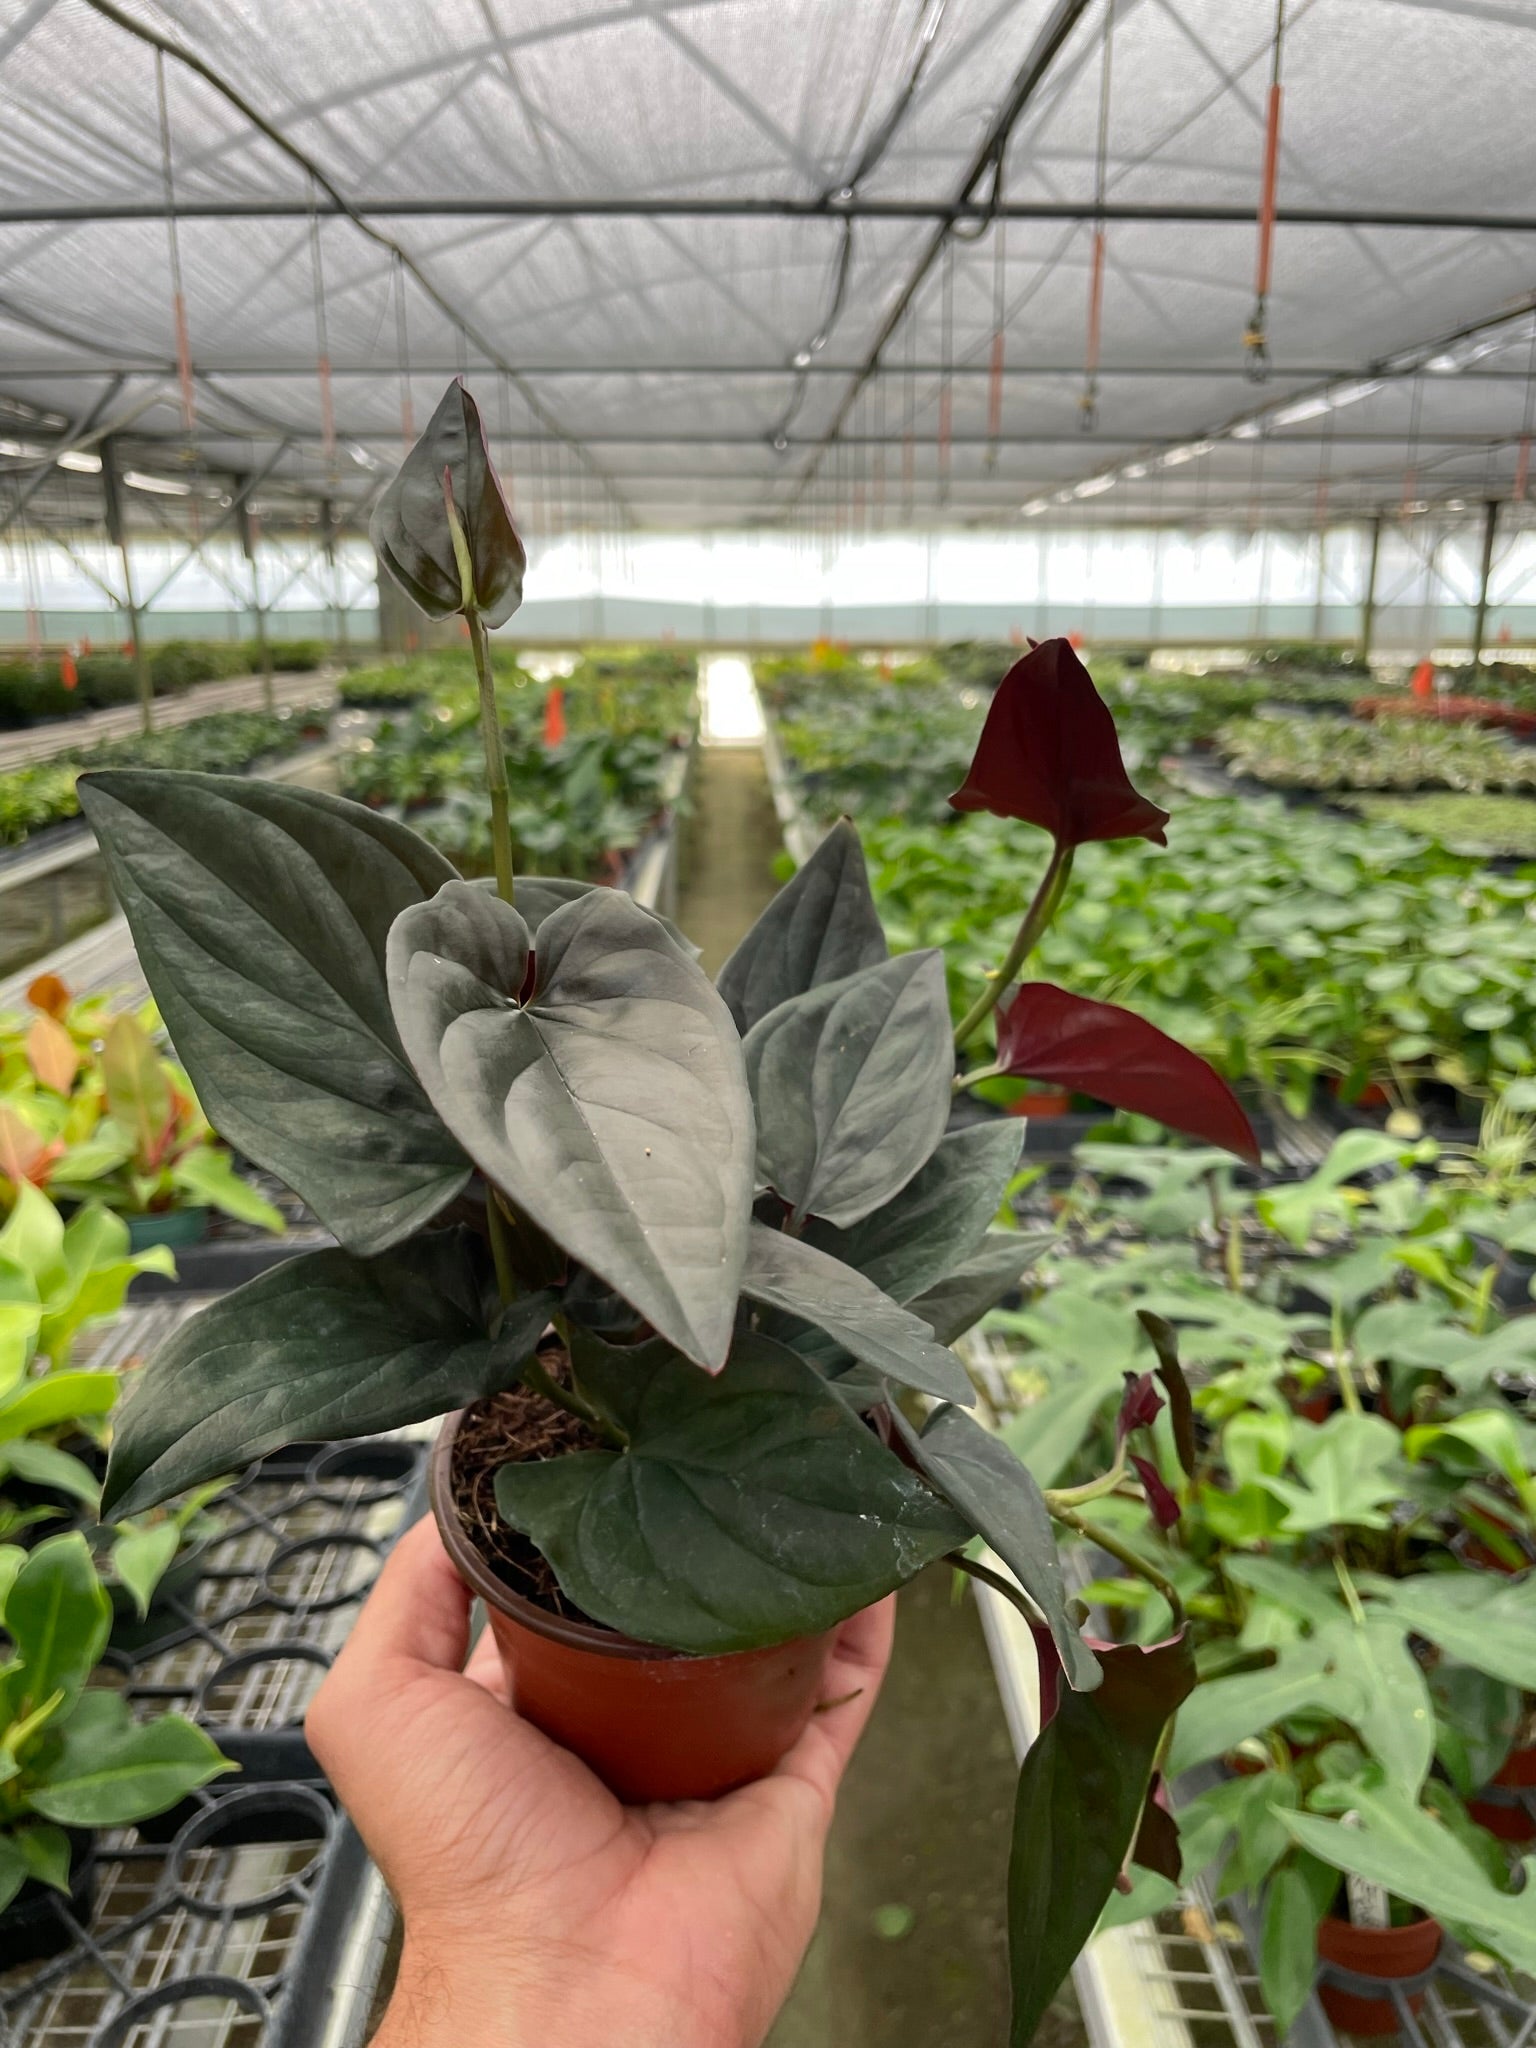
<point x="1043" y="1102"/>
<point x="1384" y="1952"/>
<point x="652" y="1723"/>
<point x="1510" y="1821"/>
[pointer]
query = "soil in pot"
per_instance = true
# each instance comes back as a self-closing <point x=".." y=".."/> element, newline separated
<point x="653" y="1723"/>
<point x="36" y="1924"/>
<point x="1384" y="1952"/>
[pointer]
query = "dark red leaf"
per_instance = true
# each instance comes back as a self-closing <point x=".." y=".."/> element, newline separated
<point x="1165" y="1509"/>
<point x="1049" y="755"/>
<point x="1181" y="1407"/>
<point x="1140" y="1406"/>
<point x="1047" y="1034"/>
<point x="1157" y="1844"/>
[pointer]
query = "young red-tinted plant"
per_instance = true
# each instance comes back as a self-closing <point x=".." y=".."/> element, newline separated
<point x="743" y="1206"/>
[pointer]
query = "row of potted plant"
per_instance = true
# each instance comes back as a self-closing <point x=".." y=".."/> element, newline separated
<point x="1345" y="1514"/>
<point x="1397" y="753"/>
<point x="43" y="687"/>
<point x="43" y="793"/>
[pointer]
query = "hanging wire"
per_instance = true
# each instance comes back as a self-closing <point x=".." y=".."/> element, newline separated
<point x="504" y="421"/>
<point x="322" y="342"/>
<point x="995" y="368"/>
<point x="1527" y="424"/>
<point x="1256" y="339"/>
<point x="178" y="297"/>
<point x="908" y="444"/>
<point x="946" y="360"/>
<point x="1408" y="503"/>
<point x="403" y="358"/>
<point x="1088" y="404"/>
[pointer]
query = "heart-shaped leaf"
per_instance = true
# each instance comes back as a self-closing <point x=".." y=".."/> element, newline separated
<point x="789" y="1275"/>
<point x="852" y="1087"/>
<point x="260" y="914"/>
<point x="954" y="1304"/>
<point x="410" y="529"/>
<point x="325" y="1345"/>
<point x="1046" y="1033"/>
<point x="611" y="1106"/>
<point x="744" y="1510"/>
<point x="1049" y="755"/>
<point x="822" y="925"/>
<point x="1082" y="1792"/>
<point x="978" y="1474"/>
<point x="938" y="1219"/>
<point x="539" y="896"/>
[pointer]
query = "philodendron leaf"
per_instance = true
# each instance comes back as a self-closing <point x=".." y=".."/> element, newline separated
<point x="112" y="1769"/>
<point x="940" y="1216"/>
<point x="260" y="914"/>
<point x="821" y="926"/>
<point x="58" y="1616"/>
<point x="410" y="529"/>
<point x="786" y="1274"/>
<point x="851" y="1082"/>
<point x="744" y="1510"/>
<point x="952" y="1305"/>
<point x="611" y="1105"/>
<point x="1081" y="1793"/>
<point x="539" y="896"/>
<point x="978" y="1474"/>
<point x="325" y="1345"/>
<point x="1479" y="1618"/>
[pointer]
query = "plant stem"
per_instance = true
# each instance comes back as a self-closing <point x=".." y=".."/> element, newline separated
<point x="537" y="1376"/>
<point x="1349" y="1393"/>
<point x="1094" y="1489"/>
<point x="1015" y="1595"/>
<point x="495" y="758"/>
<point x="501" y="1249"/>
<point x="1047" y="900"/>
<point x="1137" y="1566"/>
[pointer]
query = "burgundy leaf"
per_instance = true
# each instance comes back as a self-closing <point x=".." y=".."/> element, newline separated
<point x="1157" y="1845"/>
<point x="1181" y="1408"/>
<point x="1047" y="1034"/>
<point x="1140" y="1406"/>
<point x="1165" y="1509"/>
<point x="1049" y="755"/>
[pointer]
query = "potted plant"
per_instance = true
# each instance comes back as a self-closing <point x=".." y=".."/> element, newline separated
<point x="75" y="1759"/>
<point x="91" y="1110"/>
<point x="675" y="1255"/>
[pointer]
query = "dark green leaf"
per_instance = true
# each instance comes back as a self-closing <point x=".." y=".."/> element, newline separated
<point x="1181" y="1409"/>
<point x="821" y="926"/>
<point x="1079" y="1805"/>
<point x="786" y="1274"/>
<point x="1288" y="1949"/>
<point x="325" y="1345"/>
<point x="410" y="530"/>
<point x="112" y="1769"/>
<point x="952" y="1305"/>
<point x="851" y="1082"/>
<point x="923" y="1234"/>
<point x="746" y="1509"/>
<point x="58" y="1615"/>
<point x="611" y="1107"/>
<point x="46" y="1851"/>
<point x="260" y="914"/>
<point x="978" y="1474"/>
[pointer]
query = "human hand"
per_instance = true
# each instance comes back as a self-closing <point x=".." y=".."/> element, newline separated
<point x="536" y="1907"/>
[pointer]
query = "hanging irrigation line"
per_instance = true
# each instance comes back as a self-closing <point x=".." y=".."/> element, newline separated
<point x="1256" y="339"/>
<point x="322" y="344"/>
<point x="167" y="47"/>
<point x="173" y="241"/>
<point x="1088" y="404"/>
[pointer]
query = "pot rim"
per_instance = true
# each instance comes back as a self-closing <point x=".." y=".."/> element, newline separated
<point x="483" y="1582"/>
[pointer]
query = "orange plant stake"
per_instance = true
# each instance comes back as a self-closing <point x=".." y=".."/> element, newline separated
<point x="554" y="716"/>
<point x="69" y="675"/>
<point x="1423" y="684"/>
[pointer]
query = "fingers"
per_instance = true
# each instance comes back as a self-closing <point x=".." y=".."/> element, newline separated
<point x="855" y="1672"/>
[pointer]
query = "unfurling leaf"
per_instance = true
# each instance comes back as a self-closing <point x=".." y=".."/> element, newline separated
<point x="610" y="1105"/>
<point x="1047" y="1034"/>
<point x="410" y="528"/>
<point x="743" y="1510"/>
<point x="1181" y="1408"/>
<point x="1081" y="1800"/>
<point x="1049" y="755"/>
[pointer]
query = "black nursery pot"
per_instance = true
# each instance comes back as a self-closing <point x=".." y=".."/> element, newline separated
<point x="37" y="1922"/>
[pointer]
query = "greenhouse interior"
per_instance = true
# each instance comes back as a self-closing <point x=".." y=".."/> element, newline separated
<point x="768" y="1033"/>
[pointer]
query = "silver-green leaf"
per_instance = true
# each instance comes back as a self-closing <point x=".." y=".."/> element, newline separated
<point x="260" y="914"/>
<point x="822" y="925"/>
<point x="610" y="1103"/>
<point x="410" y="530"/>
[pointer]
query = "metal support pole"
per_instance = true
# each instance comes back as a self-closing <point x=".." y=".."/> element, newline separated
<point x="1368" y="608"/>
<point x="258" y="609"/>
<point x="118" y="533"/>
<point x="1480" y="614"/>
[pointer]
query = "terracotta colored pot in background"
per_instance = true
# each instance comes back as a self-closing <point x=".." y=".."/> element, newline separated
<point x="1512" y="1823"/>
<point x="1043" y="1102"/>
<point x="1386" y="1952"/>
<point x="652" y="1723"/>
